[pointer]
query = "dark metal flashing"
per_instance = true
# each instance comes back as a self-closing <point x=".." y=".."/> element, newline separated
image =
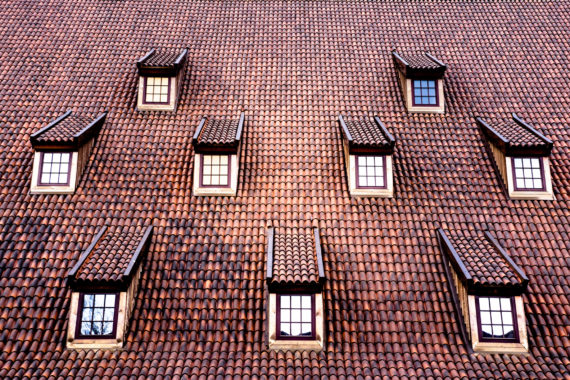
<point x="529" y="128"/>
<point x="240" y="126"/>
<point x="319" y="253"/>
<point x="344" y="129"/>
<point x="199" y="130"/>
<point x="507" y="258"/>
<point x="385" y="130"/>
<point x="141" y="249"/>
<point x="74" y="142"/>
<point x="454" y="256"/>
<point x="454" y="296"/>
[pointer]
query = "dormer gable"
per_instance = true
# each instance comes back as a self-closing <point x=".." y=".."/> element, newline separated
<point x="421" y="80"/>
<point x="522" y="156"/>
<point x="295" y="278"/>
<point x="160" y="78"/>
<point x="61" y="151"/>
<point x="217" y="146"/>
<point x="368" y="150"/>
<point x="104" y="282"/>
<point x="488" y="286"/>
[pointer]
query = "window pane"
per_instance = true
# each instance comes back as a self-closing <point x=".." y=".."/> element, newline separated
<point x="497" y="331"/>
<point x="98" y="314"/>
<point x="507" y="318"/>
<point x="107" y="328"/>
<point x="85" y="328"/>
<point x="295" y="315"/>
<point x="109" y="314"/>
<point x="99" y="300"/>
<point x="88" y="300"/>
<point x="285" y="315"/>
<point x="306" y="315"/>
<point x="285" y="329"/>
<point x="87" y="314"/>
<point x="295" y="302"/>
<point x="497" y="323"/>
<point x="295" y="329"/>
<point x="494" y="304"/>
<point x="485" y="317"/>
<point x="505" y="304"/>
<point x="307" y="329"/>
<point x="306" y="302"/>
<point x="483" y="303"/>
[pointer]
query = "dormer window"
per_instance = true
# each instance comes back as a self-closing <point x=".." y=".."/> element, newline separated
<point x="217" y="145"/>
<point x="521" y="155"/>
<point x="104" y="283"/>
<point x="295" y="277"/>
<point x="421" y="81"/>
<point x="160" y="78"/>
<point x="368" y="149"/>
<point x="487" y="288"/>
<point x="62" y="150"/>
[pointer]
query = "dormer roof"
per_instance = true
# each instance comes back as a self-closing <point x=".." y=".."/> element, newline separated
<point x="164" y="62"/>
<point x="419" y="65"/>
<point x="294" y="259"/>
<point x="218" y="135"/>
<point x="67" y="131"/>
<point x="515" y="137"/>
<point x="112" y="258"/>
<point x="365" y="135"/>
<point x="482" y="263"/>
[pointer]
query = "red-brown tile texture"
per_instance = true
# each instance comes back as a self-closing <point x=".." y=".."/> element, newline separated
<point x="111" y="255"/>
<point x="483" y="261"/>
<point x="65" y="130"/>
<point x="162" y="58"/>
<point x="293" y="66"/>
<point x="419" y="61"/>
<point x="295" y="256"/>
<point x="516" y="134"/>
<point x="365" y="132"/>
<point x="218" y="132"/>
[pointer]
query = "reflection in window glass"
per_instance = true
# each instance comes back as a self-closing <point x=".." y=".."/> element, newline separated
<point x="496" y="318"/>
<point x="425" y="92"/>
<point x="98" y="314"/>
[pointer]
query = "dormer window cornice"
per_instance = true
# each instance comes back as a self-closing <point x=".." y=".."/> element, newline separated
<point x="368" y="150"/>
<point x="522" y="156"/>
<point x="62" y="150"/>
<point x="104" y="282"/>
<point x="217" y="145"/>
<point x="160" y="78"/>
<point x="487" y="287"/>
<point x="421" y="79"/>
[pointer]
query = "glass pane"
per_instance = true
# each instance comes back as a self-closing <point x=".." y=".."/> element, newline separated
<point x="223" y="160"/>
<point x="285" y="329"/>
<point x="505" y="304"/>
<point x="362" y="181"/>
<point x="107" y="328"/>
<point x="96" y="328"/>
<point x="494" y="304"/>
<point x="306" y="302"/>
<point x="285" y="304"/>
<point x="508" y="331"/>
<point x="85" y="328"/>
<point x="285" y="315"/>
<point x="206" y="180"/>
<point x="507" y="317"/>
<point x="110" y="300"/>
<point x="62" y="178"/>
<point x="99" y="300"/>
<point x="537" y="184"/>
<point x="87" y="314"/>
<point x="431" y="84"/>
<point x="215" y="170"/>
<point x="295" y="302"/>
<point x="215" y="180"/>
<point x="215" y="160"/>
<point x="497" y="331"/>
<point x="535" y="163"/>
<point x="496" y="317"/>
<point x="98" y="314"/>
<point x="224" y="170"/>
<point x="526" y="162"/>
<point x="484" y="303"/>
<point x="306" y="329"/>
<point x="224" y="180"/>
<point x="485" y="317"/>
<point x="518" y="163"/>
<point x="487" y="330"/>
<point x="109" y="314"/>
<point x="361" y="161"/>
<point x="65" y="158"/>
<point x="380" y="182"/>
<point x="45" y="178"/>
<point x="88" y="300"/>
<point x="163" y="98"/>
<point x="295" y="329"/>
<point x="520" y="183"/>
<point x="207" y="160"/>
<point x="207" y="169"/>
<point x="306" y="315"/>
<point x="295" y="315"/>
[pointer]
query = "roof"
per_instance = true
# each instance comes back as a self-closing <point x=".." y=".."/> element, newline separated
<point x="482" y="263"/>
<point x="112" y="258"/>
<point x="221" y="135"/>
<point x="67" y="131"/>
<point x="367" y="136"/>
<point x="515" y="137"/>
<point x="294" y="259"/>
<point x="419" y="65"/>
<point x="167" y="62"/>
<point x="293" y="67"/>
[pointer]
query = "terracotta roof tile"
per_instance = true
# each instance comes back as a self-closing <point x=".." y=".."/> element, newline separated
<point x="68" y="129"/>
<point x="367" y="133"/>
<point x="420" y="61"/>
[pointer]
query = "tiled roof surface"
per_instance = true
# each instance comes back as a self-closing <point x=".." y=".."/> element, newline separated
<point x="294" y="66"/>
<point x="111" y="256"/>
<point x="516" y="134"/>
<point x="294" y="256"/>
<point x="162" y="58"/>
<point x="419" y="61"/>
<point x="218" y="132"/>
<point x="366" y="132"/>
<point x="483" y="261"/>
<point x="64" y="130"/>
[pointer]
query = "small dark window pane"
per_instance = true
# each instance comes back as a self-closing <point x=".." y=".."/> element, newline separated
<point x="496" y="318"/>
<point x="528" y="173"/>
<point x="425" y="93"/>
<point x="98" y="314"/>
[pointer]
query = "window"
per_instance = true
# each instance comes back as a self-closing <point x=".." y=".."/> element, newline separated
<point x="497" y="319"/>
<point x="295" y="317"/>
<point x="97" y="316"/>
<point x="371" y="172"/>
<point x="425" y="92"/>
<point x="215" y="171"/>
<point x="55" y="169"/>
<point x="528" y="174"/>
<point x="157" y="90"/>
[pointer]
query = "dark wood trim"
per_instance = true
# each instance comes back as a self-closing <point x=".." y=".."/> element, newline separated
<point x="344" y="129"/>
<point x="168" y="95"/>
<point x="85" y="255"/>
<point x="142" y="248"/>
<point x="80" y="307"/>
<point x="357" y="171"/>
<point x="454" y="296"/>
<point x="482" y="339"/>
<point x="270" y="242"/>
<point x="278" y="319"/>
<point x="454" y="256"/>
<point x="40" y="170"/>
<point x="319" y="253"/>
<point x="507" y="258"/>
<point x="514" y="177"/>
